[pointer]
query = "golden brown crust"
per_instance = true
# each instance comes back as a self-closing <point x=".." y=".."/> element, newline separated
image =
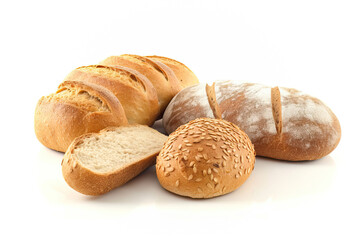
<point x="276" y="108"/>
<point x="211" y="96"/>
<point x="205" y="158"/>
<point x="309" y="129"/>
<point x="160" y="75"/>
<point x="134" y="91"/>
<point x="182" y="72"/>
<point x="88" y="182"/>
<point x="58" y="123"/>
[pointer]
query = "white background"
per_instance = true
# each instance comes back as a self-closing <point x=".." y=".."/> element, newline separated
<point x="313" y="46"/>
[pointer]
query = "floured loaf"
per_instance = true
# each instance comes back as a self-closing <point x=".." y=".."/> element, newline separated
<point x="285" y="124"/>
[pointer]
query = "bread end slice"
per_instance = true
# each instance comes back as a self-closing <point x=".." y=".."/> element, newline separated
<point x="99" y="162"/>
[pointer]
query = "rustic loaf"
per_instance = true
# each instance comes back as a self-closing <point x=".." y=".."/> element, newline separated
<point x="76" y="108"/>
<point x="160" y="75"/>
<point x="96" y="163"/>
<point x="282" y="123"/>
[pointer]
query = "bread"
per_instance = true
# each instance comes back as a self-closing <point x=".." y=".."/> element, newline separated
<point x="161" y="76"/>
<point x="75" y="109"/>
<point x="183" y="73"/>
<point x="99" y="162"/>
<point x="134" y="91"/>
<point x="143" y="88"/>
<point x="282" y="123"/>
<point x="206" y="157"/>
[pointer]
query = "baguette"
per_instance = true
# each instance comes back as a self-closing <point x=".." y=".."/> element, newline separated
<point x="75" y="109"/>
<point x="282" y="123"/>
<point x="96" y="163"/>
<point x="161" y="76"/>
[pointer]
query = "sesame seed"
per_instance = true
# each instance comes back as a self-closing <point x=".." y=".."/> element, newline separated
<point x="190" y="177"/>
<point x="167" y="174"/>
<point x="186" y="141"/>
<point x="209" y="171"/>
<point x="194" y="169"/>
<point x="198" y="180"/>
<point x="177" y="183"/>
<point x="163" y="168"/>
<point x="191" y="163"/>
<point x="171" y="169"/>
<point x="224" y="164"/>
<point x="215" y="170"/>
<point x="235" y="166"/>
<point x="204" y="172"/>
<point x="223" y="147"/>
<point x="213" y="147"/>
<point x="224" y="157"/>
<point x="216" y="180"/>
<point x="185" y="158"/>
<point x="237" y="176"/>
<point x="179" y="147"/>
<point x="212" y="176"/>
<point x="200" y="149"/>
<point x="188" y="144"/>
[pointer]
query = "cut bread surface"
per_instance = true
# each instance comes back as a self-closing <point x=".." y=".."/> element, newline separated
<point x="118" y="148"/>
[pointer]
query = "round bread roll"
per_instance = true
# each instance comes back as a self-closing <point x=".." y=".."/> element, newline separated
<point x="205" y="158"/>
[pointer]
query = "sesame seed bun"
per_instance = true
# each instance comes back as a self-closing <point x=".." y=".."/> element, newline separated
<point x="205" y="158"/>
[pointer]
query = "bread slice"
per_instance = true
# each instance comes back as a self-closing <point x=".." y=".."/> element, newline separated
<point x="99" y="162"/>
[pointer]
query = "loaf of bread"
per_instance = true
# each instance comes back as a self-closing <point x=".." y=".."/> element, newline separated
<point x="282" y="123"/>
<point x="96" y="163"/>
<point x="206" y="157"/>
<point x="160" y="75"/>
<point x="76" y="108"/>
<point x="143" y="87"/>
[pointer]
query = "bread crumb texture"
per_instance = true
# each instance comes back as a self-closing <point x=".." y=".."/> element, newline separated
<point x="118" y="148"/>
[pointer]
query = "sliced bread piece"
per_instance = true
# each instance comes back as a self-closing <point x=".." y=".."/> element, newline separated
<point x="99" y="162"/>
